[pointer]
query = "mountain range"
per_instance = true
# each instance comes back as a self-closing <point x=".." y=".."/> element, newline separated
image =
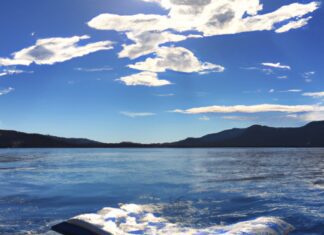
<point x="310" y="135"/>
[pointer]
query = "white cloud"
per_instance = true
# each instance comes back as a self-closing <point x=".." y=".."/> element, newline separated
<point x="135" y="115"/>
<point x="276" y="65"/>
<point x="239" y="118"/>
<point x="252" y="109"/>
<point x="165" y="95"/>
<point x="9" y="72"/>
<point x="308" y="117"/>
<point x="144" y="79"/>
<point x="177" y="59"/>
<point x="309" y="74"/>
<point x="210" y="17"/>
<point x="54" y="50"/>
<point x="135" y="23"/>
<point x="214" y="17"/>
<point x="295" y="24"/>
<point x="267" y="71"/>
<point x="149" y="32"/>
<point x="98" y="69"/>
<point x="313" y="116"/>
<point x="315" y="94"/>
<point x="293" y="90"/>
<point x="147" y="42"/>
<point x="6" y="91"/>
<point x="204" y="118"/>
<point x="283" y="77"/>
<point x="286" y="91"/>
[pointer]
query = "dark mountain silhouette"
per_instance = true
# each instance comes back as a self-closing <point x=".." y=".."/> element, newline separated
<point x="209" y="139"/>
<point x="310" y="135"/>
<point x="12" y="139"/>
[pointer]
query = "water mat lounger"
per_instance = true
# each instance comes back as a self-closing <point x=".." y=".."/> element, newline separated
<point x="134" y="219"/>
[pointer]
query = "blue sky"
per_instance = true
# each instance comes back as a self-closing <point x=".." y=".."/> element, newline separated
<point x="159" y="70"/>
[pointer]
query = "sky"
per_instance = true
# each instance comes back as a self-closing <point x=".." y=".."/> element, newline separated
<point x="159" y="70"/>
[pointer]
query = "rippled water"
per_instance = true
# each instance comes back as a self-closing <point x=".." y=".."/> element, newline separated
<point x="191" y="187"/>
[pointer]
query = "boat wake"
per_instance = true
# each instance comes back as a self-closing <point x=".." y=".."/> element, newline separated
<point x="141" y="219"/>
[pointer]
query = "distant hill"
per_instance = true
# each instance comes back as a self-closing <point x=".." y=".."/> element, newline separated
<point x="310" y="135"/>
<point x="14" y="139"/>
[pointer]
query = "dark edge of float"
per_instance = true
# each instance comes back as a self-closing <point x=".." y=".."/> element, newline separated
<point x="77" y="227"/>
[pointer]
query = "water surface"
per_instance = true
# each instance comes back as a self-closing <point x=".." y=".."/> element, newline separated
<point x="192" y="187"/>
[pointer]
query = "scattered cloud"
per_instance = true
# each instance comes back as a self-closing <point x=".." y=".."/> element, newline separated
<point x="283" y="77"/>
<point x="286" y="91"/>
<point x="98" y="69"/>
<point x="309" y="74"/>
<point x="260" y="108"/>
<point x="165" y="95"/>
<point x="6" y="91"/>
<point x="9" y="72"/>
<point x="294" y="24"/>
<point x="239" y="118"/>
<point x="315" y="94"/>
<point x="54" y="50"/>
<point x="207" y="17"/>
<point x="147" y="43"/>
<point x="292" y="91"/>
<point x="177" y="59"/>
<point x="144" y="79"/>
<point x="136" y="115"/>
<point x="267" y="71"/>
<point x="308" y="117"/>
<point x="130" y="23"/>
<point x="204" y="118"/>
<point x="276" y="65"/>
<point x="313" y="116"/>
<point x="149" y="33"/>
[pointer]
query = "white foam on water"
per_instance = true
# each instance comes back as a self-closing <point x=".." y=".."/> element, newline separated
<point x="319" y="184"/>
<point x="140" y="219"/>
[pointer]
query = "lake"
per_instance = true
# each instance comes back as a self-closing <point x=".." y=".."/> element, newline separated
<point x="193" y="187"/>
